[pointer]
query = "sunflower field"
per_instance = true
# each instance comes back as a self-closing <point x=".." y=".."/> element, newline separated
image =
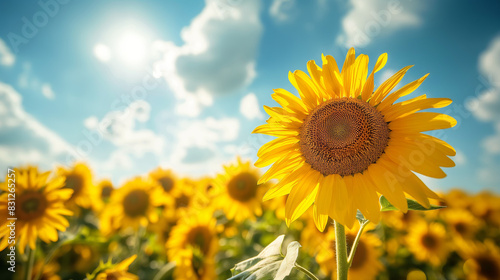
<point x="162" y="226"/>
<point x="249" y="140"/>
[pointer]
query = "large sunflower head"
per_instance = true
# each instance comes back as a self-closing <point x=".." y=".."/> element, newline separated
<point x="428" y="243"/>
<point x="79" y="179"/>
<point x="239" y="193"/>
<point x="133" y="205"/>
<point x="344" y="141"/>
<point x="39" y="210"/>
<point x="193" y="244"/>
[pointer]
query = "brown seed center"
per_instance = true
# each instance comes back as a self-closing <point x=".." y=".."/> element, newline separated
<point x="136" y="203"/>
<point x="75" y="182"/>
<point x="343" y="136"/>
<point x="429" y="241"/>
<point x="488" y="267"/>
<point x="33" y="205"/>
<point x="166" y="183"/>
<point x="200" y="237"/>
<point x="243" y="187"/>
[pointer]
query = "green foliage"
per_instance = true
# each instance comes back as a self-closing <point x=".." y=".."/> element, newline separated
<point x="385" y="205"/>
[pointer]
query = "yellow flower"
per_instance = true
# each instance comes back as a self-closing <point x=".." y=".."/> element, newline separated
<point x="132" y="205"/>
<point x="79" y="179"/>
<point x="239" y="194"/>
<point x="365" y="264"/>
<point x="104" y="190"/>
<point x="118" y="272"/>
<point x="401" y="221"/>
<point x="343" y="141"/>
<point x="428" y="242"/>
<point x="192" y="246"/>
<point x="167" y="180"/>
<point x="39" y="208"/>
<point x="482" y="260"/>
<point x="486" y="206"/>
<point x="461" y="222"/>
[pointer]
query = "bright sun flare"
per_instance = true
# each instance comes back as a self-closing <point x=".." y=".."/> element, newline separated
<point x="131" y="48"/>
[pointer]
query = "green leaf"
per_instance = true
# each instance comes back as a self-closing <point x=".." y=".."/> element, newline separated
<point x="385" y="205"/>
<point x="361" y="218"/>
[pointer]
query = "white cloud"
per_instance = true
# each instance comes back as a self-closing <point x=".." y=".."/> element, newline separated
<point x="24" y="139"/>
<point x="369" y="19"/>
<point x="281" y="10"/>
<point x="218" y="55"/>
<point x="249" y="107"/>
<point x="491" y="144"/>
<point x="119" y="127"/>
<point x="7" y="58"/>
<point x="386" y="74"/>
<point x="486" y="107"/>
<point x="196" y="146"/>
<point x="489" y="62"/>
<point x="47" y="91"/>
<point x="460" y="158"/>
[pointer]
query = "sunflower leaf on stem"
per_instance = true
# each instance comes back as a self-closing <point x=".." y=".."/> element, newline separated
<point x="385" y="205"/>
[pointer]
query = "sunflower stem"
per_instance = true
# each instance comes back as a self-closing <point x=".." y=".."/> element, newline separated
<point x="306" y="272"/>
<point x="30" y="263"/>
<point x="138" y="246"/>
<point x="356" y="242"/>
<point x="341" y="249"/>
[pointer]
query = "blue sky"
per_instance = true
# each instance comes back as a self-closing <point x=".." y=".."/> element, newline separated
<point x="130" y="85"/>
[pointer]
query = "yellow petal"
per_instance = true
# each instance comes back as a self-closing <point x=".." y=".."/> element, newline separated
<point x="391" y="189"/>
<point x="319" y="220"/>
<point x="324" y="199"/>
<point x="405" y="90"/>
<point x="381" y="61"/>
<point x="301" y="197"/>
<point x="403" y="110"/>
<point x="425" y="121"/>
<point x="387" y="86"/>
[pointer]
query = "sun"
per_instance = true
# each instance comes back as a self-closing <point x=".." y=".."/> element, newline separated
<point x="131" y="47"/>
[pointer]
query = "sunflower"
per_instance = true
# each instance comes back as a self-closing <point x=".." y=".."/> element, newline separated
<point x="486" y="206"/>
<point x="186" y="197"/>
<point x="343" y="141"/>
<point x="365" y="264"/>
<point x="428" y="243"/>
<point x="132" y="205"/>
<point x="167" y="179"/>
<point x="461" y="222"/>
<point x="108" y="271"/>
<point x="104" y="190"/>
<point x="79" y="179"/>
<point x="401" y="221"/>
<point x="482" y="260"/>
<point x="192" y="246"/>
<point x="40" y="208"/>
<point x="239" y="194"/>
